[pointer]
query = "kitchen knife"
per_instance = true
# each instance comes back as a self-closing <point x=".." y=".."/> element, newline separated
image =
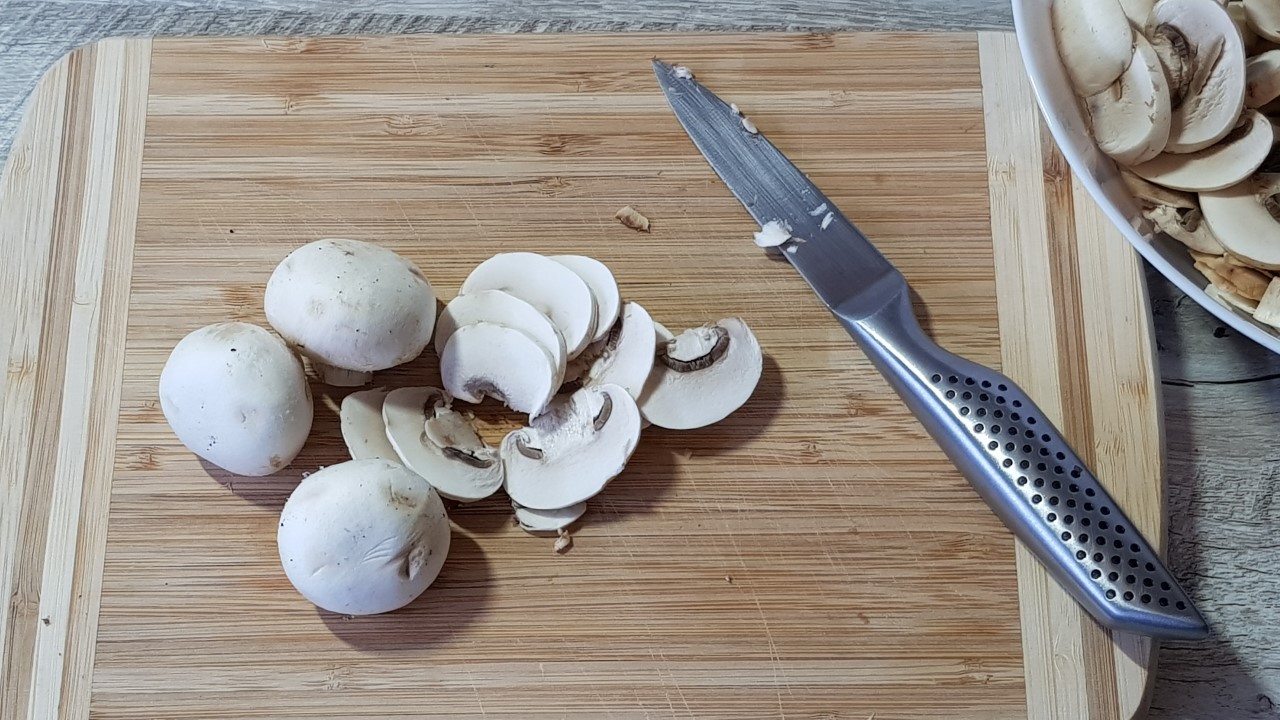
<point x="1004" y="445"/>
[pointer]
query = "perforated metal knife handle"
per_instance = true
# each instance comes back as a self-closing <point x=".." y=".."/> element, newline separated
<point x="1019" y="463"/>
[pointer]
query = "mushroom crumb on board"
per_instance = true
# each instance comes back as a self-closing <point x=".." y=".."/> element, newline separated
<point x="632" y="218"/>
<point x="563" y="542"/>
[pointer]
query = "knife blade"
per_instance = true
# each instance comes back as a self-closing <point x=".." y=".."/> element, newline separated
<point x="999" y="440"/>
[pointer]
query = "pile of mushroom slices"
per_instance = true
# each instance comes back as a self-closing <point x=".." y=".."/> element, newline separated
<point x="549" y="337"/>
<point x="1182" y="95"/>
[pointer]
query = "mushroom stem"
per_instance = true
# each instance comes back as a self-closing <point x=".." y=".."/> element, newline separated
<point x="340" y="377"/>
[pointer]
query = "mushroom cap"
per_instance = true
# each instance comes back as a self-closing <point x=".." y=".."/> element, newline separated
<point x="351" y="304"/>
<point x="604" y="290"/>
<point x="702" y="375"/>
<point x="505" y="309"/>
<point x="235" y="395"/>
<point x="488" y="360"/>
<point x="627" y="355"/>
<point x="1263" y="17"/>
<point x="1221" y="165"/>
<point x="547" y="521"/>
<point x="1131" y="118"/>
<point x="555" y="290"/>
<point x="1212" y="100"/>
<point x="439" y="444"/>
<point x="570" y="453"/>
<point x="1094" y="40"/>
<point x="363" y="537"/>
<point x="1241" y="219"/>
<point x="363" y="429"/>
<point x="1262" y="79"/>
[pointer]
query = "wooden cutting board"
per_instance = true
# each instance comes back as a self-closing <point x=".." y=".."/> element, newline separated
<point x="813" y="556"/>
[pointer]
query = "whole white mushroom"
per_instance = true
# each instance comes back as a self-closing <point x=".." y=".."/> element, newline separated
<point x="352" y="307"/>
<point x="236" y="396"/>
<point x="363" y="537"/>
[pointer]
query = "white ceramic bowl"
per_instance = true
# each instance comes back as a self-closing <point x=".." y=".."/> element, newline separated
<point x="1098" y="173"/>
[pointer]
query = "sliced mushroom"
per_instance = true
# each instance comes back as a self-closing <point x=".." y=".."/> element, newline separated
<point x="439" y="444"/>
<point x="1095" y="42"/>
<point x="702" y="375"/>
<point x="487" y="360"/>
<point x="350" y="305"/>
<point x="1246" y="219"/>
<point x="1203" y="56"/>
<point x="505" y="309"/>
<point x="627" y="356"/>
<point x="604" y="289"/>
<point x="1262" y="79"/>
<point x="1152" y="195"/>
<point x="555" y="290"/>
<point x="1187" y="226"/>
<point x="1137" y="11"/>
<point x="1230" y="161"/>
<point x="569" y="454"/>
<point x="363" y="537"/>
<point x="1263" y="17"/>
<point x="1239" y="16"/>
<point x="1268" y="308"/>
<point x="1229" y="299"/>
<point x="547" y="521"/>
<point x="1131" y="118"/>
<point x="363" y="429"/>
<point x="1232" y="277"/>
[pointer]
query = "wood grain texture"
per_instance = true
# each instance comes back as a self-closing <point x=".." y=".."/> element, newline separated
<point x="814" y="555"/>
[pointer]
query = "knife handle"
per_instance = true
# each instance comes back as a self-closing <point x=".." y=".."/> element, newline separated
<point x="1024" y="469"/>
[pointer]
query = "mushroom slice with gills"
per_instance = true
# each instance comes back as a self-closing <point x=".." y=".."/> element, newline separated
<point x="627" y="356"/>
<point x="569" y="454"/>
<point x="604" y="289"/>
<point x="1263" y="17"/>
<point x="1203" y="57"/>
<point x="1187" y="226"/>
<point x="505" y="309"/>
<point x="363" y="537"/>
<point x="488" y="360"/>
<point x="363" y="429"/>
<point x="1130" y="119"/>
<point x="439" y="444"/>
<point x="702" y="375"/>
<point x="555" y="290"/>
<point x="1262" y="79"/>
<point x="1245" y="218"/>
<point x="1231" y="160"/>
<point x="1095" y="42"/>
<point x="547" y="521"/>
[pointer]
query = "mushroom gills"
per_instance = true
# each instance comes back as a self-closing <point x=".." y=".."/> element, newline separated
<point x="1153" y="195"/>
<point x="702" y="375"/>
<point x="1230" y="161"/>
<point x="439" y="444"/>
<point x="626" y="359"/>
<point x="1245" y="218"/>
<point x="555" y="290"/>
<point x="1095" y="42"/>
<point x="604" y="290"/>
<point x="571" y="452"/>
<point x="363" y="429"/>
<point x="547" y="521"/>
<point x="488" y="360"/>
<point x="1187" y="226"/>
<point x="1131" y="118"/>
<point x="501" y="308"/>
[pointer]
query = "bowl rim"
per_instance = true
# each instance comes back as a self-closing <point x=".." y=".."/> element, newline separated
<point x="1036" y="74"/>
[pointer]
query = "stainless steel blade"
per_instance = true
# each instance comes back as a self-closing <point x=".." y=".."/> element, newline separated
<point x="828" y="250"/>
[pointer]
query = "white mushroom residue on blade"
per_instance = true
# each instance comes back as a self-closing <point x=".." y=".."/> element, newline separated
<point x="683" y="72"/>
<point x="818" y="210"/>
<point x="749" y="126"/>
<point x="734" y="108"/>
<point x="773" y="234"/>
<point x="827" y="220"/>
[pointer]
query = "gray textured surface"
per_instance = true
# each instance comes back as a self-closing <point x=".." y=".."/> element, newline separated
<point x="1221" y="393"/>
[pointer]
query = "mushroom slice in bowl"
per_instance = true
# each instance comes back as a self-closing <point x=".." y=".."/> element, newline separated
<point x="505" y="309"/>
<point x="627" y="356"/>
<point x="1232" y="276"/>
<point x="604" y="288"/>
<point x="1095" y="41"/>
<point x="1131" y="118"/>
<point x="1203" y="56"/>
<point x="1221" y="165"/>
<point x="702" y="375"/>
<point x="1245" y="218"/>
<point x="1187" y="226"/>
<point x="547" y="521"/>
<point x="438" y="443"/>
<point x="363" y="429"/>
<point x="570" y="453"/>
<point x="1263" y="17"/>
<point x="1262" y="79"/>
<point x="555" y="290"/>
<point x="488" y="360"/>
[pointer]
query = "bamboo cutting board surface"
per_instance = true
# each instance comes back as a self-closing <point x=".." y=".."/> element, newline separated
<point x="812" y="556"/>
